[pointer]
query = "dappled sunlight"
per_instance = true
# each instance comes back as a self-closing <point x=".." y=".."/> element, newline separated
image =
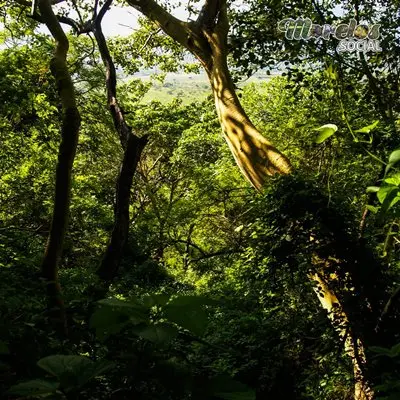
<point x="255" y="155"/>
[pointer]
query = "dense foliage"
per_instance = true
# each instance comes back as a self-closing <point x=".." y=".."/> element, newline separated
<point x="213" y="297"/>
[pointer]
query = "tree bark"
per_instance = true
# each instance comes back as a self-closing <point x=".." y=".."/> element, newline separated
<point x="133" y="147"/>
<point x="69" y="141"/>
<point x="112" y="257"/>
<point x="255" y="155"/>
<point x="353" y="346"/>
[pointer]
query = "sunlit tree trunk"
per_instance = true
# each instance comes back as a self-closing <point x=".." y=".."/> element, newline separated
<point x="353" y="346"/>
<point x="255" y="155"/>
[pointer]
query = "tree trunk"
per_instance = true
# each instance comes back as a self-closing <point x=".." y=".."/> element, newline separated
<point x="255" y="155"/>
<point x="112" y="257"/>
<point x="353" y="346"/>
<point x="133" y="147"/>
<point x="206" y="38"/>
<point x="69" y="141"/>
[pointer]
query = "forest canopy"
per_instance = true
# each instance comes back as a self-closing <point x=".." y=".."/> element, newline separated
<point x="203" y="205"/>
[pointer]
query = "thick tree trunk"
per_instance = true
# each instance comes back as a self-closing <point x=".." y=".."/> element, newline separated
<point x="112" y="257"/>
<point x="255" y="155"/>
<point x="69" y="140"/>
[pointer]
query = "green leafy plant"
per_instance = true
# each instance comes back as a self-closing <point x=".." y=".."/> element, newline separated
<point x="157" y="318"/>
<point x="69" y="372"/>
<point x="388" y="193"/>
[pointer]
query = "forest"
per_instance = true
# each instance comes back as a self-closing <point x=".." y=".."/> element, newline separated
<point x="231" y="233"/>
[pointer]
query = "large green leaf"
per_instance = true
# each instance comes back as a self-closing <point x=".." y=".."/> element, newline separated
<point x="388" y="196"/>
<point x="105" y="317"/>
<point x="188" y="312"/>
<point x="192" y="317"/>
<point x="192" y="300"/>
<point x="35" y="387"/>
<point x="73" y="371"/>
<point x="325" y="132"/>
<point x="133" y="308"/>
<point x="58" y="364"/>
<point x="394" y="179"/>
<point x="108" y="321"/>
<point x="161" y="333"/>
<point x="394" y="158"/>
<point x="151" y="300"/>
<point x="96" y="369"/>
<point x="372" y="189"/>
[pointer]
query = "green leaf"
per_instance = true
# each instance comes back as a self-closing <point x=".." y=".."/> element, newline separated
<point x="325" y="132"/>
<point x="58" y="365"/>
<point x="151" y="300"/>
<point x="105" y="317"/>
<point x="73" y="371"/>
<point x="108" y="322"/>
<point x="388" y="196"/>
<point x="34" y="388"/>
<point x="394" y="179"/>
<point x="192" y="300"/>
<point x="369" y="128"/>
<point x="383" y="192"/>
<point x="192" y="318"/>
<point x="372" y="189"/>
<point x="380" y="350"/>
<point x="95" y="369"/>
<point x="372" y="209"/>
<point x="131" y="303"/>
<point x="394" y="157"/>
<point x="161" y="333"/>
<point x="133" y="308"/>
<point x="395" y="351"/>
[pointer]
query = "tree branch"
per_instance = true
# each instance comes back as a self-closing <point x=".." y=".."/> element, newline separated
<point x="208" y="14"/>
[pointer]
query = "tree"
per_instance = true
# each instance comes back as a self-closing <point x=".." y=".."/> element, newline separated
<point x="206" y="38"/>
<point x="133" y="147"/>
<point x="69" y="140"/>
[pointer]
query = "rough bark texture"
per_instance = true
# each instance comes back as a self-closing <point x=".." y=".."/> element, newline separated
<point x="133" y="147"/>
<point x="66" y="155"/>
